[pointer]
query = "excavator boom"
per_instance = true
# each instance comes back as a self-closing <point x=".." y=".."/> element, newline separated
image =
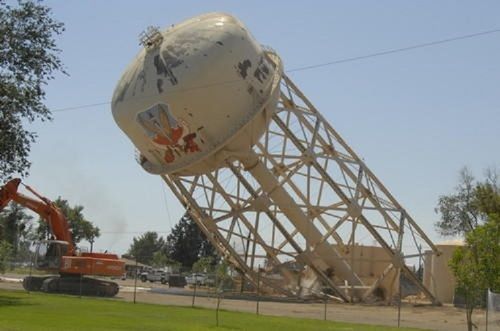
<point x="47" y="210"/>
<point x="62" y="255"/>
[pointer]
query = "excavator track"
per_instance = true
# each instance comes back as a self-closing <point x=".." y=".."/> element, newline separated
<point x="34" y="283"/>
<point x="72" y="285"/>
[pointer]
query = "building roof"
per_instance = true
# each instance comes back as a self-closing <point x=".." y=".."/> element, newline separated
<point x="132" y="262"/>
<point x="451" y="242"/>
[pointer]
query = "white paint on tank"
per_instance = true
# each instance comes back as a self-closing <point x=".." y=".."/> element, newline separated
<point x="203" y="92"/>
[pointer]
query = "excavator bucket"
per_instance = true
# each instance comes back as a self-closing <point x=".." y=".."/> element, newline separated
<point x="7" y="191"/>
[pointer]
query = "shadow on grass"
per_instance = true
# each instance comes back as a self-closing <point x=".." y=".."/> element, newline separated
<point x="6" y="300"/>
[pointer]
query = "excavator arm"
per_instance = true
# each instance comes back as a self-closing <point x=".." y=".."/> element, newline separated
<point x="44" y="207"/>
<point x="71" y="266"/>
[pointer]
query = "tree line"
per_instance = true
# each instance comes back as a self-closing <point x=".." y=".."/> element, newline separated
<point x="186" y="246"/>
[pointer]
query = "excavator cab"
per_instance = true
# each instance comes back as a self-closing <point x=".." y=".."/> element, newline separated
<point x="49" y="254"/>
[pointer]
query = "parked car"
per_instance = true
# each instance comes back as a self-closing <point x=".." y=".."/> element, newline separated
<point x="154" y="275"/>
<point x="196" y="278"/>
<point x="176" y="280"/>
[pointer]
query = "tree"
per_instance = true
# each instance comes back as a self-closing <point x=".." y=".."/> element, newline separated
<point x="17" y="229"/>
<point x="144" y="248"/>
<point x="5" y="254"/>
<point x="474" y="212"/>
<point x="459" y="214"/>
<point x="161" y="260"/>
<point x="186" y="243"/>
<point x="470" y="204"/>
<point x="476" y="266"/>
<point x="487" y="198"/>
<point x="205" y="264"/>
<point x="81" y="228"/>
<point x="92" y="234"/>
<point x="222" y="274"/>
<point x="29" y="58"/>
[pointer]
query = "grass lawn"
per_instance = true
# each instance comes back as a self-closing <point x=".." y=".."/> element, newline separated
<point x="38" y="311"/>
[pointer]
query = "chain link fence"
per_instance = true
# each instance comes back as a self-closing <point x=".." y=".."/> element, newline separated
<point x="219" y="288"/>
<point x="142" y="283"/>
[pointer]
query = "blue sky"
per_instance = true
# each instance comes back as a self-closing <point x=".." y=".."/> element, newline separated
<point x="416" y="117"/>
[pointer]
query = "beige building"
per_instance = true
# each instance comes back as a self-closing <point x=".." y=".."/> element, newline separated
<point x="438" y="277"/>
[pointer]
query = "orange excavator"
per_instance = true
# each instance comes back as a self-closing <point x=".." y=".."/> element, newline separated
<point x="61" y="255"/>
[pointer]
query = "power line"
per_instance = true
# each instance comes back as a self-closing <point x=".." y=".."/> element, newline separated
<point x="81" y="106"/>
<point x="177" y="90"/>
<point x="166" y="205"/>
<point x="319" y="65"/>
<point x="395" y="50"/>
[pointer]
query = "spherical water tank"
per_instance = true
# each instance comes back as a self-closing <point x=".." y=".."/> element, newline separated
<point x="198" y="93"/>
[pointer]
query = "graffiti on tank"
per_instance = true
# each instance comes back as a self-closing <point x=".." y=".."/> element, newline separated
<point x="170" y="135"/>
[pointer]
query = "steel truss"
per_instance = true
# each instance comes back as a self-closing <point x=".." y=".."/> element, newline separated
<point x="297" y="205"/>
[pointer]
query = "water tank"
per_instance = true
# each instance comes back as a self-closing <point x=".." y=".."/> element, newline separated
<point x="198" y="93"/>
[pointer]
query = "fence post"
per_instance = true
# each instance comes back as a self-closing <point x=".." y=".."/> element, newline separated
<point x="31" y="270"/>
<point x="399" y="301"/>
<point x="81" y="276"/>
<point x="217" y="310"/>
<point x="135" y="280"/>
<point x="194" y="292"/>
<point x="258" y="290"/>
<point x="487" y="307"/>
<point x="326" y="303"/>
<point x="217" y="293"/>
<point x="242" y="286"/>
